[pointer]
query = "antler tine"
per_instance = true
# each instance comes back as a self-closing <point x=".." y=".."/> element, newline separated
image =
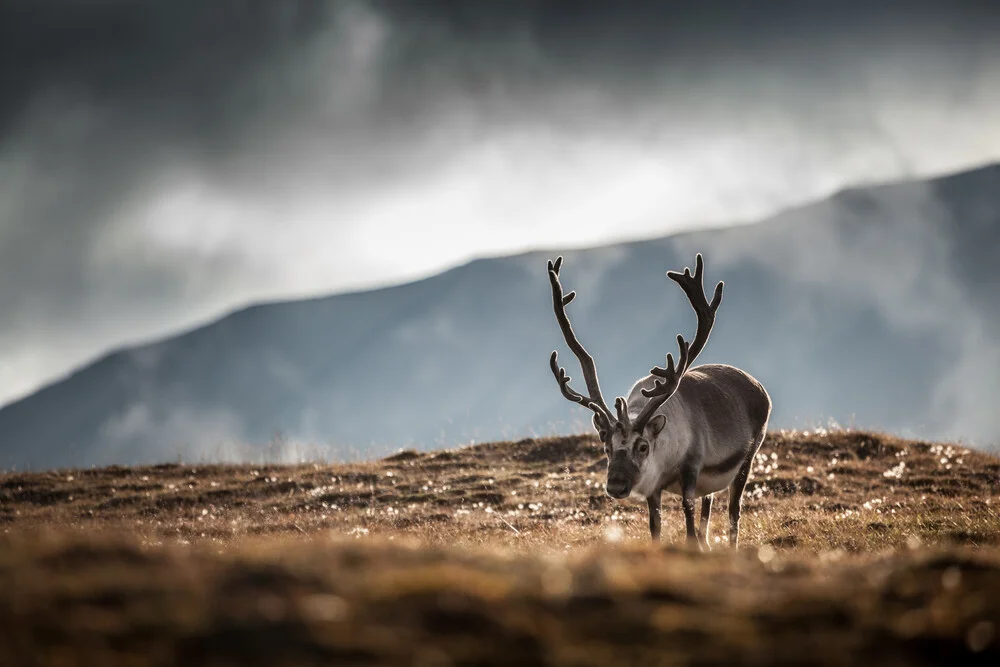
<point x="670" y="372"/>
<point x="621" y="407"/>
<point x="563" y="379"/>
<point x="665" y="388"/>
<point x="595" y="400"/>
<point x="694" y="288"/>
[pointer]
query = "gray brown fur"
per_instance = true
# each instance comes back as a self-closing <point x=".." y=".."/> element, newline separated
<point x="714" y="424"/>
<point x="688" y="431"/>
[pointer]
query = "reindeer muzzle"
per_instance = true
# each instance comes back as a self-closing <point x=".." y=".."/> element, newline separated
<point x="622" y="474"/>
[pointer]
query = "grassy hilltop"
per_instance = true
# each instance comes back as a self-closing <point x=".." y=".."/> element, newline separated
<point x="856" y="548"/>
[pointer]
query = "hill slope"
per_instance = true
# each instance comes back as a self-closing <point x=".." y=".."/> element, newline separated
<point x="856" y="548"/>
<point x="878" y="307"/>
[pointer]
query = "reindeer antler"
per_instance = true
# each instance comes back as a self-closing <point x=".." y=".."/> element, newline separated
<point x="694" y="288"/>
<point x="595" y="401"/>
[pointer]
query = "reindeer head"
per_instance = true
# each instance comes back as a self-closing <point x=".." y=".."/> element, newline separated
<point x="628" y="441"/>
<point x="629" y="447"/>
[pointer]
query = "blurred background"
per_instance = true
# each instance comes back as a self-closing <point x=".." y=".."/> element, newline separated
<point x="319" y="229"/>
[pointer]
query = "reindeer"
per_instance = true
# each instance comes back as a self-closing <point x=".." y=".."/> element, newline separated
<point x="689" y="431"/>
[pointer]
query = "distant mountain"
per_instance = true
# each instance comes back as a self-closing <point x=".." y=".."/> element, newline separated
<point x="877" y="307"/>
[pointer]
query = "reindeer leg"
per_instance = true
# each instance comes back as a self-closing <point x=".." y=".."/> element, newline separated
<point x="736" y="502"/>
<point x="689" y="480"/>
<point x="654" y="504"/>
<point x="736" y="492"/>
<point x="706" y="513"/>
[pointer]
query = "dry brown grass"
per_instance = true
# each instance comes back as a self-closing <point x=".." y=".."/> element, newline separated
<point x="504" y="553"/>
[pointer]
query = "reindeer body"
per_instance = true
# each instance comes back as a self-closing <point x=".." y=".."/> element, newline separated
<point x="689" y="431"/>
<point x="715" y="422"/>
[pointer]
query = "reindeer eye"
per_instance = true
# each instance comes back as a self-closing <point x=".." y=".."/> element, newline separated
<point x="643" y="447"/>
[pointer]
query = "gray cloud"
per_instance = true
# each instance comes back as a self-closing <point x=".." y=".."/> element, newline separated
<point x="160" y="162"/>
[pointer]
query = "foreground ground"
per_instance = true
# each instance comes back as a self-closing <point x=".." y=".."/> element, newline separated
<point x="857" y="548"/>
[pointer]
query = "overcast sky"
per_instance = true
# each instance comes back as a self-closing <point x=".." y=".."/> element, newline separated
<point x="162" y="162"/>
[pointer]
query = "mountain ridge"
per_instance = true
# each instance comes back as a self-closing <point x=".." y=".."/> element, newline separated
<point x="324" y="369"/>
<point x="987" y="167"/>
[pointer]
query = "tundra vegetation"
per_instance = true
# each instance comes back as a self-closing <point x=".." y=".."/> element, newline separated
<point x="855" y="548"/>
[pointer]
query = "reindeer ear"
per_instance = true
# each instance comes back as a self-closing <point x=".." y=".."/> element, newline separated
<point x="655" y="425"/>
